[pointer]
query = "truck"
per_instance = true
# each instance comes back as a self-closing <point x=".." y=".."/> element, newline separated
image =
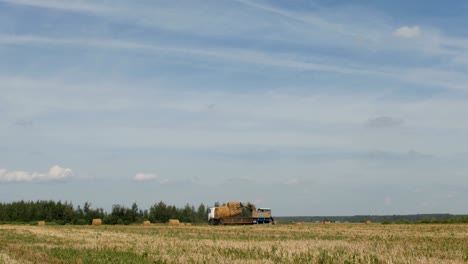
<point x="230" y="214"/>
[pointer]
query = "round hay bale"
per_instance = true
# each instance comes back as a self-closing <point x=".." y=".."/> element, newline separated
<point x="97" y="222"/>
<point x="174" y="222"/>
<point x="368" y="222"/>
<point x="146" y="223"/>
<point x="41" y="223"/>
<point x="188" y="224"/>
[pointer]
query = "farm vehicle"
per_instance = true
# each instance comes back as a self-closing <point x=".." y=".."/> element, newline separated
<point x="230" y="214"/>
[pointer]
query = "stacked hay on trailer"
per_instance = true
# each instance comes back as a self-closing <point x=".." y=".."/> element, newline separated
<point x="228" y="210"/>
<point x="222" y="212"/>
<point x="235" y="208"/>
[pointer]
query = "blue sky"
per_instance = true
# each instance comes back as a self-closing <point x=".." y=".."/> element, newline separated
<point x="307" y="107"/>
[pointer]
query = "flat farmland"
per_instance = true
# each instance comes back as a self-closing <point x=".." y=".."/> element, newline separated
<point x="283" y="243"/>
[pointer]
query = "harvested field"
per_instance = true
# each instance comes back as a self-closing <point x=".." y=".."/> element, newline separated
<point x="306" y="243"/>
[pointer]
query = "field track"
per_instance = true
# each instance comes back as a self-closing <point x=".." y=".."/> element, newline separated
<point x="304" y="243"/>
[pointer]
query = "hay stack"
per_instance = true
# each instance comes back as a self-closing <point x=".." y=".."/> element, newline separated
<point x="235" y="208"/>
<point x="368" y="222"/>
<point x="222" y="212"/>
<point x="146" y="223"/>
<point x="174" y="222"/>
<point x="233" y="205"/>
<point x="326" y="222"/>
<point x="188" y="224"/>
<point x="41" y="223"/>
<point x="97" y="222"/>
<point x="228" y="210"/>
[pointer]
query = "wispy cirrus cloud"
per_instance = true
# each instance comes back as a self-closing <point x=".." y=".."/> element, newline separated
<point x="118" y="83"/>
<point x="309" y="19"/>
<point x="240" y="55"/>
<point x="437" y="78"/>
<point x="434" y="44"/>
<point x="72" y="5"/>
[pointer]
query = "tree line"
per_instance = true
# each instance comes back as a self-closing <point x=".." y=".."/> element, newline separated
<point x="65" y="213"/>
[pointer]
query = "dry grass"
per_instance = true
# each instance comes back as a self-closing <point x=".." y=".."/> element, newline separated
<point x="4" y="258"/>
<point x="306" y="243"/>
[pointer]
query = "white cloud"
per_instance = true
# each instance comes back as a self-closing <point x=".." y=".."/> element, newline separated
<point x="145" y="176"/>
<point x="55" y="173"/>
<point x="407" y="32"/>
<point x="384" y="121"/>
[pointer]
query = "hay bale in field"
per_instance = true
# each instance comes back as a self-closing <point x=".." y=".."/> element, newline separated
<point x="146" y="223"/>
<point x="97" y="222"/>
<point x="326" y="222"/>
<point x="174" y="222"/>
<point x="368" y="222"/>
<point x="41" y="223"/>
<point x="188" y="224"/>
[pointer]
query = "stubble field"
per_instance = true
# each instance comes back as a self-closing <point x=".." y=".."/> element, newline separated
<point x="306" y="243"/>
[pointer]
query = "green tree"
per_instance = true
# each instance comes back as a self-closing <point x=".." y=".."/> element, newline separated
<point x="201" y="213"/>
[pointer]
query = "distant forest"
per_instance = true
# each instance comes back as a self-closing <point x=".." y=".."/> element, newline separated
<point x="65" y="213"/>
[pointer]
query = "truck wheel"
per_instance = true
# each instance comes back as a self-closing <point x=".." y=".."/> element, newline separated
<point x="221" y="222"/>
<point x="211" y="222"/>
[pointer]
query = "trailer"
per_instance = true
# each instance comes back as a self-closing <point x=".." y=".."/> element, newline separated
<point x="229" y="214"/>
